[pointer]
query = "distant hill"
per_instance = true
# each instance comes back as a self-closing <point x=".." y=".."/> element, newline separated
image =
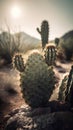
<point x="68" y="35"/>
<point x="23" y="41"/>
<point x="26" y="41"/>
<point x="66" y="42"/>
<point x="67" y="38"/>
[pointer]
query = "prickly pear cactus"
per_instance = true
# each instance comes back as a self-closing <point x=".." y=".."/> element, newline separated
<point x="44" y="32"/>
<point x="37" y="81"/>
<point x="18" y="62"/>
<point x="50" y="54"/>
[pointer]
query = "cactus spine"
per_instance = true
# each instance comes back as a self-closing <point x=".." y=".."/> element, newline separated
<point x="44" y="32"/>
<point x="50" y="54"/>
<point x="18" y="63"/>
<point x="37" y="81"/>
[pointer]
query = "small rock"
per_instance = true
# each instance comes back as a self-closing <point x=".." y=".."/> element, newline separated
<point x="36" y="121"/>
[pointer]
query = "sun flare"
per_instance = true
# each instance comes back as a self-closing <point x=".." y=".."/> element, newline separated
<point x="15" y="11"/>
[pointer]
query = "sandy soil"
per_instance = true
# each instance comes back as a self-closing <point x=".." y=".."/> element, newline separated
<point x="10" y="93"/>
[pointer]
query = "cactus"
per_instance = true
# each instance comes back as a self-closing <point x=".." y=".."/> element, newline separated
<point x="62" y="89"/>
<point x="66" y="89"/>
<point x="69" y="89"/>
<point x="18" y="62"/>
<point x="57" y="41"/>
<point x="44" y="32"/>
<point x="37" y="81"/>
<point x="50" y="54"/>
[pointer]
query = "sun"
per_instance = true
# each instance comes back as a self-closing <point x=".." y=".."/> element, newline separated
<point x="15" y="11"/>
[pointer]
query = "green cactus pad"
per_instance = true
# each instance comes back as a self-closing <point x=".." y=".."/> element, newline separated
<point x="37" y="81"/>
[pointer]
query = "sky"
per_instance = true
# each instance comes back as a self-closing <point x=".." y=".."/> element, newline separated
<point x="58" y="13"/>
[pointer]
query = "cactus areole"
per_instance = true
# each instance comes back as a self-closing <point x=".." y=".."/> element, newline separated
<point x="44" y="32"/>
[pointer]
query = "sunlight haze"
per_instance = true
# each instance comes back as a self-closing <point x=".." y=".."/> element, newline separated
<point x="15" y="11"/>
<point x="27" y="15"/>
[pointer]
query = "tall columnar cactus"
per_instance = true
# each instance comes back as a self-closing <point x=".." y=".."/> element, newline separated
<point x="18" y="62"/>
<point x="66" y="88"/>
<point x="44" y="32"/>
<point x="37" y="81"/>
<point x="50" y="54"/>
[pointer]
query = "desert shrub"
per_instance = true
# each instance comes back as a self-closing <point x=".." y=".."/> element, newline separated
<point x="8" y="46"/>
<point x="60" y="54"/>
